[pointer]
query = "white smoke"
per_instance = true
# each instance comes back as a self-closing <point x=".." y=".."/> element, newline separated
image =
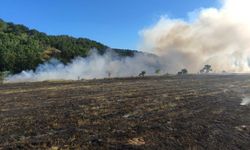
<point x="245" y="101"/>
<point x="94" y="66"/>
<point x="216" y="36"/>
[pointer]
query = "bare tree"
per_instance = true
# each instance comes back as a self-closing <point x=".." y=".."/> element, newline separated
<point x="109" y="73"/>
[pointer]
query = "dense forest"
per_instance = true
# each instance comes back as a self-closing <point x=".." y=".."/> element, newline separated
<point x="22" y="48"/>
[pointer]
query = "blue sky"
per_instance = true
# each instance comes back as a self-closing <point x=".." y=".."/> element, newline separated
<point x="115" y="23"/>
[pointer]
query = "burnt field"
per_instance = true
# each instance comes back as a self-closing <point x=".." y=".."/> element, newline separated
<point x="174" y="112"/>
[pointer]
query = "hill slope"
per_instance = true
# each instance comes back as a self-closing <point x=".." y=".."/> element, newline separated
<point x="23" y="49"/>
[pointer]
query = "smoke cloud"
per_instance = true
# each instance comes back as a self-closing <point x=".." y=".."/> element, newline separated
<point x="216" y="36"/>
<point x="94" y="66"/>
<point x="245" y="101"/>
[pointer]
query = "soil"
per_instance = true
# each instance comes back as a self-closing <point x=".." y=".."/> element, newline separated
<point x="168" y="112"/>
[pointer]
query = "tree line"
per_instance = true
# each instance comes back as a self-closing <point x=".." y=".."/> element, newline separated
<point x="22" y="48"/>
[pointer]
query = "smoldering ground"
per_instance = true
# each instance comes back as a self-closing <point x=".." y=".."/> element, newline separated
<point x="245" y="101"/>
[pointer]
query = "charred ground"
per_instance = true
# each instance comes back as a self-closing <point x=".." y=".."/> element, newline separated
<point x="174" y="112"/>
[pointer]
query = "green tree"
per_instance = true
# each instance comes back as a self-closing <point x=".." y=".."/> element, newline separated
<point x="142" y="74"/>
<point x="157" y="71"/>
<point x="206" y="69"/>
<point x="23" y="49"/>
<point x="183" y="72"/>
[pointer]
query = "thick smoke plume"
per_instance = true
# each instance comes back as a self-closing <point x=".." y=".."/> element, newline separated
<point x="216" y="36"/>
<point x="94" y="66"/>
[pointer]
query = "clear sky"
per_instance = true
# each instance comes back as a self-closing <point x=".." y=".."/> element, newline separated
<point x="115" y="23"/>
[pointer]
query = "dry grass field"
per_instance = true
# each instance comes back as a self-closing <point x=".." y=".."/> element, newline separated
<point x="172" y="112"/>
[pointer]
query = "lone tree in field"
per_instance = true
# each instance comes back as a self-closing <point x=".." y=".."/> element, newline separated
<point x="157" y="71"/>
<point x="142" y="74"/>
<point x="109" y="74"/>
<point x="206" y="69"/>
<point x="183" y="72"/>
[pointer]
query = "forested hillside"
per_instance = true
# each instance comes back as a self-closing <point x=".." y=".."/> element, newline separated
<point x="23" y="49"/>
